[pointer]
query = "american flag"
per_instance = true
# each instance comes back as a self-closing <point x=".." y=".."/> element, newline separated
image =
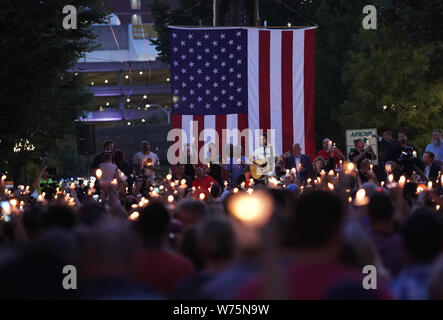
<point x="242" y="77"/>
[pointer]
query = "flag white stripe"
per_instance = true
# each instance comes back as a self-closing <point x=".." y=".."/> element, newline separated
<point x="209" y="132"/>
<point x="186" y="126"/>
<point x="275" y="87"/>
<point x="253" y="95"/>
<point x="232" y="123"/>
<point x="298" y="87"/>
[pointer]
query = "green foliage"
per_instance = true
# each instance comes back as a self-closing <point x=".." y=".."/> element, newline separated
<point x="394" y="76"/>
<point x="39" y="98"/>
<point x="357" y="71"/>
<point x="188" y="12"/>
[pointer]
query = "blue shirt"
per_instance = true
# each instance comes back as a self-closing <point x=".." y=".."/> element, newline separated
<point x="437" y="151"/>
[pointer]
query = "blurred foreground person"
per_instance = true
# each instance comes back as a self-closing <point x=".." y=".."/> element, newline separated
<point x="157" y="265"/>
<point x="216" y="244"/>
<point x="423" y="242"/>
<point x="317" y="237"/>
<point x="107" y="264"/>
<point x="387" y="241"/>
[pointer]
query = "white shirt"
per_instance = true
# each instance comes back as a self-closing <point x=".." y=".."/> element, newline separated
<point x="108" y="171"/>
<point x="427" y="170"/>
<point x="140" y="158"/>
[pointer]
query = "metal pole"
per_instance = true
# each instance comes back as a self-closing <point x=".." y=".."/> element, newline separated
<point x="215" y="11"/>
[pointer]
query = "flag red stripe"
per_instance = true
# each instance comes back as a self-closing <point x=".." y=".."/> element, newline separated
<point x="220" y="124"/>
<point x="176" y="123"/>
<point x="264" y="79"/>
<point x="201" y="126"/>
<point x="286" y="88"/>
<point x="242" y="124"/>
<point x="308" y="87"/>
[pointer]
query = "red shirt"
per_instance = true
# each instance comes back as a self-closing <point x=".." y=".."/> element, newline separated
<point x="330" y="155"/>
<point x="203" y="184"/>
<point x="162" y="270"/>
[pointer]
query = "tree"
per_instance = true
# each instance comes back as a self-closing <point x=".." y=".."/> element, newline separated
<point x="188" y="12"/>
<point x="394" y="76"/>
<point x="40" y="98"/>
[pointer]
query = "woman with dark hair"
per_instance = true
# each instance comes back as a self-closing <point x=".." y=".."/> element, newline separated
<point x="126" y="168"/>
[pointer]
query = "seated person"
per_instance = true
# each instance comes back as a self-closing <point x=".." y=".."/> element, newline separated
<point x="360" y="153"/>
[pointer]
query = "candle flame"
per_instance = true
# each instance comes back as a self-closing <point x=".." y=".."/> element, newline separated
<point x="134" y="216"/>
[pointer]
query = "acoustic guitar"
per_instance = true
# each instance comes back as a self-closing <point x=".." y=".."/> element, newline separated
<point x="258" y="167"/>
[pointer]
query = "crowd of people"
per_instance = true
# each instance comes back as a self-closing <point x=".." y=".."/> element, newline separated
<point x="218" y="231"/>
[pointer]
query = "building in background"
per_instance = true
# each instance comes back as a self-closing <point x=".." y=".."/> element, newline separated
<point x="130" y="84"/>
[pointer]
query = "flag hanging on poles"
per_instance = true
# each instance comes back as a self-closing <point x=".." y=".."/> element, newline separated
<point x="244" y="78"/>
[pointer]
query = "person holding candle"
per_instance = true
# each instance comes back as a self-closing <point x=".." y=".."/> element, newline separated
<point x="319" y="166"/>
<point x="202" y="182"/>
<point x="299" y="161"/>
<point x="428" y="170"/>
<point x="331" y="154"/>
<point x="180" y="175"/>
<point x="359" y="153"/>
<point x="145" y="155"/>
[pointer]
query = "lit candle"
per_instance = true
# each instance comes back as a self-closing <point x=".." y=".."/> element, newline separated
<point x="99" y="173"/>
<point x="330" y="186"/>
<point x="360" y="198"/>
<point x="430" y="185"/>
<point x="201" y="196"/>
<point x="253" y="209"/>
<point x="420" y="188"/>
<point x="242" y="184"/>
<point x="114" y="182"/>
<point x="293" y="171"/>
<point x="402" y="181"/>
<point x="134" y="216"/>
<point x="371" y="166"/>
<point x="331" y="172"/>
<point x="235" y="190"/>
<point x="391" y="178"/>
<point x="350" y="166"/>
<point x="168" y="176"/>
<point x="13" y="202"/>
<point x="170" y="198"/>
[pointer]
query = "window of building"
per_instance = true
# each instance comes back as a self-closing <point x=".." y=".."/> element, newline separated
<point x="135" y="4"/>
<point x="136" y="19"/>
